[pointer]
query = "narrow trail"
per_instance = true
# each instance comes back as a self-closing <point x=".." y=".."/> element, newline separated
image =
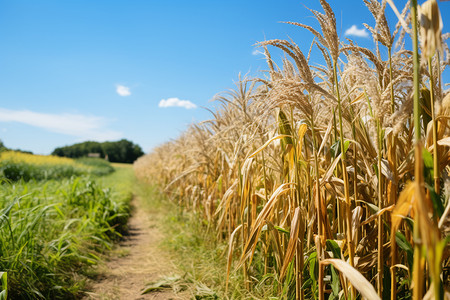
<point x="135" y="262"/>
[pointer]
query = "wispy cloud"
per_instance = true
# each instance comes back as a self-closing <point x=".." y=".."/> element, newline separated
<point x="354" y="31"/>
<point x="257" y="52"/>
<point x="175" y="102"/>
<point x="123" y="90"/>
<point x="84" y="127"/>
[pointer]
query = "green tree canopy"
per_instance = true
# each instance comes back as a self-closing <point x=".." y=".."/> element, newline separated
<point x="122" y="151"/>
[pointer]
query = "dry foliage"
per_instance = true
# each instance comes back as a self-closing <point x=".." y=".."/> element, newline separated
<point x="307" y="169"/>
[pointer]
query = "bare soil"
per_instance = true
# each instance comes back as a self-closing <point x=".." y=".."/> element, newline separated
<point x="135" y="262"/>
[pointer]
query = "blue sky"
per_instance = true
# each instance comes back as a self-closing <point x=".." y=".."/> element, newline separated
<point x="81" y="70"/>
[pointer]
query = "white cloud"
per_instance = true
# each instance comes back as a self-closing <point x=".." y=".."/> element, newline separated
<point x="123" y="90"/>
<point x="357" y="32"/>
<point x="84" y="127"/>
<point x="172" y="102"/>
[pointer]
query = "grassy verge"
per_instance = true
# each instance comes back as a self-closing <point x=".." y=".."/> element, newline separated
<point x="121" y="182"/>
<point x="52" y="231"/>
<point x="196" y="250"/>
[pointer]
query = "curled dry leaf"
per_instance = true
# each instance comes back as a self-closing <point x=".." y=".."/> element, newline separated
<point x="430" y="28"/>
<point x="296" y="229"/>
<point x="357" y="279"/>
<point x="230" y="254"/>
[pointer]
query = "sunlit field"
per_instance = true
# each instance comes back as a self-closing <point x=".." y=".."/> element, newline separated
<point x="327" y="179"/>
<point x="57" y="218"/>
<point x="16" y="165"/>
<point x="323" y="173"/>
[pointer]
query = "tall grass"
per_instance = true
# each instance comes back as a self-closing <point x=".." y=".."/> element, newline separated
<point x="51" y="231"/>
<point x="314" y="172"/>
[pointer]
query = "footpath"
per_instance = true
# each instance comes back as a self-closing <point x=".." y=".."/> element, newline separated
<point x="135" y="262"/>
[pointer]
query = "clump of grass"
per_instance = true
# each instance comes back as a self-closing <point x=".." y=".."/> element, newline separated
<point x="52" y="231"/>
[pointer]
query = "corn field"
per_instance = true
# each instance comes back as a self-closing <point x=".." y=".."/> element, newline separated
<point x="330" y="180"/>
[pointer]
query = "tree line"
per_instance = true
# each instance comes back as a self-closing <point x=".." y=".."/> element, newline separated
<point x="122" y="151"/>
<point x="4" y="148"/>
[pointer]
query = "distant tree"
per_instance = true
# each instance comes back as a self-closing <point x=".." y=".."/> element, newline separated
<point x="79" y="150"/>
<point x="122" y="151"/>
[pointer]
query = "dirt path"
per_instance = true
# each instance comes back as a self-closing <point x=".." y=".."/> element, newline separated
<point x="135" y="262"/>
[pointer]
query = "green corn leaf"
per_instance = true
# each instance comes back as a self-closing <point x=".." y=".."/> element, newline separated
<point x="405" y="246"/>
<point x="334" y="248"/>
<point x="282" y="230"/>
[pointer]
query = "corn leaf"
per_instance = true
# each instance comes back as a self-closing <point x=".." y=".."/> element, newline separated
<point x="357" y="279"/>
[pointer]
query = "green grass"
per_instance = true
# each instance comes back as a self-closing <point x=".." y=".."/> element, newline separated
<point x="196" y="250"/>
<point x="16" y="169"/>
<point x="51" y="231"/>
<point x="122" y="182"/>
<point x="99" y="166"/>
